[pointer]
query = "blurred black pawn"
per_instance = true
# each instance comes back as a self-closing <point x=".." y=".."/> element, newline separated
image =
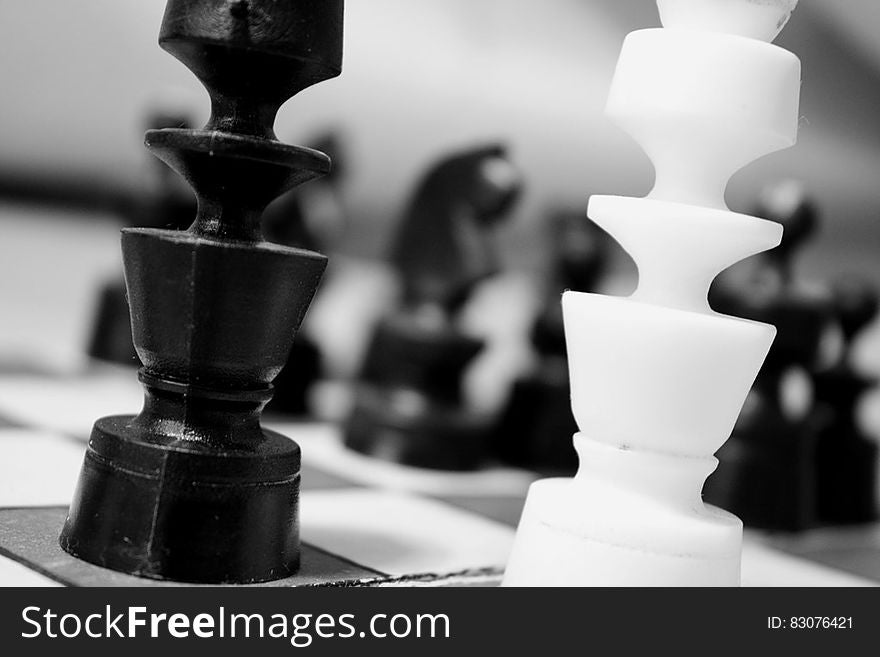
<point x="536" y="426"/>
<point x="846" y="459"/>
<point x="300" y="219"/>
<point x="409" y="406"/>
<point x="766" y="469"/>
<point x="163" y="201"/>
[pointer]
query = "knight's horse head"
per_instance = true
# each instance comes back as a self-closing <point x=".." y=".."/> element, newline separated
<point x="441" y="248"/>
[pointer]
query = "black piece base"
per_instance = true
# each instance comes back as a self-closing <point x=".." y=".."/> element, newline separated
<point x="186" y="510"/>
<point x="436" y="436"/>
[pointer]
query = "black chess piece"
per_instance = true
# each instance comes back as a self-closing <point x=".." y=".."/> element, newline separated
<point x="409" y="405"/>
<point x="846" y="458"/>
<point x="193" y="488"/>
<point x="161" y="202"/>
<point x="765" y="473"/>
<point x="536" y="426"/>
<point x="287" y="222"/>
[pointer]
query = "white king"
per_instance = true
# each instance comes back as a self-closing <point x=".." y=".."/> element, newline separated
<point x="658" y="379"/>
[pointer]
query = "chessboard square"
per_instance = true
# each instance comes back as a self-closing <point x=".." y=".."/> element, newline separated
<point x="38" y="468"/>
<point x="323" y="450"/>
<point x="403" y="535"/>
<point x="13" y="573"/>
<point x="70" y="405"/>
<point x="763" y="566"/>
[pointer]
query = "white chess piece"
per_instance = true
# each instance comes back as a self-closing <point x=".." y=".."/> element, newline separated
<point x="658" y="379"/>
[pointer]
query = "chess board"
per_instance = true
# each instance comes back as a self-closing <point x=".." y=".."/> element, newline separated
<point x="364" y="522"/>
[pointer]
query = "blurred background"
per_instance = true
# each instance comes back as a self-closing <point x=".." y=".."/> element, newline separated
<point x="421" y="78"/>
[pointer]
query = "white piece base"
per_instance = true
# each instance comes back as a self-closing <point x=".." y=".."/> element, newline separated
<point x="589" y="531"/>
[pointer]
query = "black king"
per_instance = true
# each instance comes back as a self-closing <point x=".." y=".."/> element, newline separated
<point x="192" y="488"/>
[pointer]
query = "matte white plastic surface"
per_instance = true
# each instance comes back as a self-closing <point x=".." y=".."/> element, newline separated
<point x="703" y="105"/>
<point x="758" y="19"/>
<point x="658" y="379"/>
